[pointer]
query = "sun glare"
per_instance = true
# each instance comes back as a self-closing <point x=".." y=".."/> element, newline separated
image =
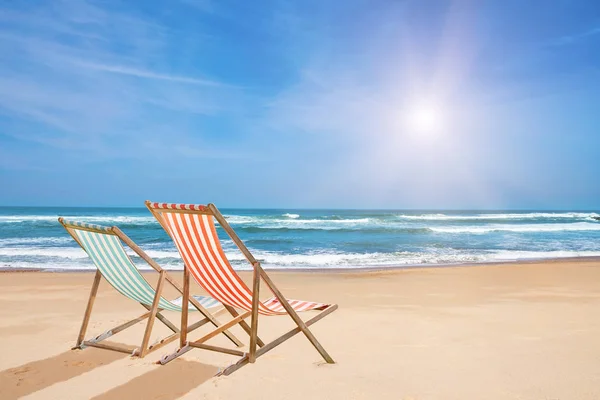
<point x="425" y="120"/>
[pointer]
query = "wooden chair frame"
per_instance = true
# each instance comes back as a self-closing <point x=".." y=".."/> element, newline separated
<point x="257" y="347"/>
<point x="152" y="312"/>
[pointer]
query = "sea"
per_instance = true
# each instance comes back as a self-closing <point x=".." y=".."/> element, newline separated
<point x="32" y="238"/>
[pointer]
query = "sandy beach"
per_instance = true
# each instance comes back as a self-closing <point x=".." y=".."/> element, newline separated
<point x="422" y="173"/>
<point x="510" y="331"/>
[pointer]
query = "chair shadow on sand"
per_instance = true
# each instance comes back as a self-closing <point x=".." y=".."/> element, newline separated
<point x="37" y="375"/>
<point x="164" y="383"/>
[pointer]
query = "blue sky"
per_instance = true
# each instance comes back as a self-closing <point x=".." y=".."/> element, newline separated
<point x="300" y="104"/>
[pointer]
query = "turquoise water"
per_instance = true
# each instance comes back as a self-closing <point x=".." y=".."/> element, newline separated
<point x="32" y="237"/>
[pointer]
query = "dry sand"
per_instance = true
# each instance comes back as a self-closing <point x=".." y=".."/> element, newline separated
<point x="514" y="331"/>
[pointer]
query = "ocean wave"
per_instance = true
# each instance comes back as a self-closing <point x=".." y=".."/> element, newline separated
<point x="273" y="240"/>
<point x="321" y="239"/>
<point x="295" y="218"/>
<point x="499" y="216"/>
<point x="294" y="221"/>
<point x="73" y="258"/>
<point x="406" y="223"/>
<point x="73" y="252"/>
<point x="70" y="259"/>
<point x="576" y="226"/>
<point x="242" y="219"/>
<point x="515" y="255"/>
<point x="373" y="229"/>
<point x="68" y="265"/>
<point x="361" y="260"/>
<point x="49" y="252"/>
<point x="108" y="219"/>
<point x="255" y="224"/>
<point x="28" y="241"/>
<point x="159" y="253"/>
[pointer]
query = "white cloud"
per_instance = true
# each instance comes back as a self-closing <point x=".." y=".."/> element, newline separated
<point x="81" y="73"/>
<point x="141" y="73"/>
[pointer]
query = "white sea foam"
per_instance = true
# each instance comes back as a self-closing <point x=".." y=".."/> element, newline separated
<point x="138" y="220"/>
<point x="499" y="216"/>
<point x="292" y="219"/>
<point x="66" y="265"/>
<point x="160" y="253"/>
<point x="73" y="258"/>
<point x="359" y="260"/>
<point x="74" y="265"/>
<point x="376" y="259"/>
<point x="324" y="224"/>
<point x="515" y="255"/>
<point x="59" y="252"/>
<point x="49" y="241"/>
<point x="71" y="252"/>
<point x="242" y="219"/>
<point x="399" y="221"/>
<point x="576" y="226"/>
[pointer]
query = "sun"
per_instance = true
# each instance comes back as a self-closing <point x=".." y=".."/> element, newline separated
<point x="425" y="119"/>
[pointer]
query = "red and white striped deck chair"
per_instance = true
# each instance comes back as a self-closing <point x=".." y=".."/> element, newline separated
<point x="193" y="230"/>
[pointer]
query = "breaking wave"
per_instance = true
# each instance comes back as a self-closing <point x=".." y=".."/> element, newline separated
<point x="318" y="238"/>
<point x="499" y="216"/>
<point x="577" y="226"/>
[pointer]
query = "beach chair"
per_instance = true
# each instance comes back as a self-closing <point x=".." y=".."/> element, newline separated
<point x="193" y="230"/>
<point x="104" y="246"/>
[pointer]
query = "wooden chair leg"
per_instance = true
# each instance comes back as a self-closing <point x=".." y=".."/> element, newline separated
<point x="244" y="324"/>
<point x="294" y="315"/>
<point x="163" y="319"/>
<point x="88" y="309"/>
<point x="115" y="330"/>
<point x="270" y="346"/>
<point x="168" y="323"/>
<point x="254" y="319"/>
<point x="184" y="306"/>
<point x="199" y="342"/>
<point x="223" y="327"/>
<point x="152" y="317"/>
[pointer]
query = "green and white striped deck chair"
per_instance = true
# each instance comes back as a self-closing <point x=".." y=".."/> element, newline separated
<point x="104" y="245"/>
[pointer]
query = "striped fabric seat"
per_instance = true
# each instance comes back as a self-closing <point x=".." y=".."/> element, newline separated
<point x="115" y="265"/>
<point x="196" y="238"/>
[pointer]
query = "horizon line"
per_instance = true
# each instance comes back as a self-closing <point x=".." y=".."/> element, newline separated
<point x="339" y="208"/>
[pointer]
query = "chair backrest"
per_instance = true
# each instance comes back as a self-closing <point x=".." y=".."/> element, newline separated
<point x="104" y="247"/>
<point x="193" y="230"/>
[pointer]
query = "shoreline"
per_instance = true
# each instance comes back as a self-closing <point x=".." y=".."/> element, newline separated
<point x="345" y="270"/>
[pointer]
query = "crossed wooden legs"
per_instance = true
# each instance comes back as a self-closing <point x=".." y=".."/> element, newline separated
<point x="264" y="348"/>
<point x="246" y="357"/>
<point x="252" y="330"/>
<point x="153" y="313"/>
